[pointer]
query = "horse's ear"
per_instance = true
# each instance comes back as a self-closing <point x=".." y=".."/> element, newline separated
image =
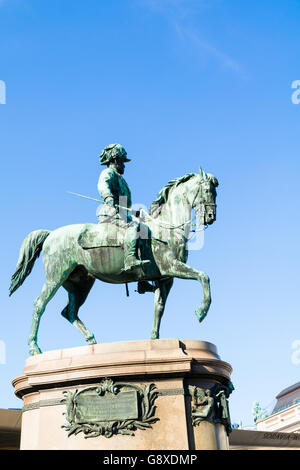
<point x="202" y="173"/>
<point x="213" y="179"/>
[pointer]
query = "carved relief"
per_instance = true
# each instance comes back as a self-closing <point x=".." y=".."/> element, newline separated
<point x="211" y="405"/>
<point x="110" y="408"/>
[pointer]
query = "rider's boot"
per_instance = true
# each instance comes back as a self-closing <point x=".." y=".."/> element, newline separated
<point x="131" y="261"/>
<point x="145" y="286"/>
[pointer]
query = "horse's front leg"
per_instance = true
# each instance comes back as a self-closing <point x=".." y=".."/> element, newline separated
<point x="160" y="298"/>
<point x="182" y="271"/>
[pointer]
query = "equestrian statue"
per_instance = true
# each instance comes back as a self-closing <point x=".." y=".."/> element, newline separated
<point x="150" y="248"/>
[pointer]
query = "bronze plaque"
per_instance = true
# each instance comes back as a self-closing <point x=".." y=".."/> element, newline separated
<point x="110" y="408"/>
<point x="92" y="408"/>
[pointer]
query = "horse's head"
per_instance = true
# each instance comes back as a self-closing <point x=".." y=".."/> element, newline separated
<point x="204" y="197"/>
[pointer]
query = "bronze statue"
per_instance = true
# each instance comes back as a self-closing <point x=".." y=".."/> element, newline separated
<point x="203" y="407"/>
<point x="114" y="190"/>
<point x="75" y="256"/>
<point x="212" y="405"/>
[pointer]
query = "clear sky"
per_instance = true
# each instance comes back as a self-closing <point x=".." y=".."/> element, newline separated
<point x="180" y="83"/>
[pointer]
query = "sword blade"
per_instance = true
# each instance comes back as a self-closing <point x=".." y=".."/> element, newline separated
<point x="85" y="197"/>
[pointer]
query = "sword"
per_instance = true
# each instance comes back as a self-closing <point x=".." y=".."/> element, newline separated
<point x="85" y="197"/>
<point x="98" y="200"/>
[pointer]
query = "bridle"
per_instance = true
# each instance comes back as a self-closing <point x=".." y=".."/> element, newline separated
<point x="203" y="206"/>
<point x="199" y="227"/>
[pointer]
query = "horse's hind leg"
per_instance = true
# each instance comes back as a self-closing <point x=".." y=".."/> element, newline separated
<point x="78" y="293"/>
<point x="48" y="291"/>
<point x="51" y="286"/>
<point x="161" y="294"/>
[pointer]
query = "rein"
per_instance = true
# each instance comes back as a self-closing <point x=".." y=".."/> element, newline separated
<point x="164" y="224"/>
<point x="182" y="226"/>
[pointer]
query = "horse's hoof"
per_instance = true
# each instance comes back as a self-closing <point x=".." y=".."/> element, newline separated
<point x="154" y="336"/>
<point x="34" y="350"/>
<point x="92" y="341"/>
<point x="200" y="314"/>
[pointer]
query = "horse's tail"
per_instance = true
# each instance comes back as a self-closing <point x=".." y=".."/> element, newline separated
<point x="30" y="251"/>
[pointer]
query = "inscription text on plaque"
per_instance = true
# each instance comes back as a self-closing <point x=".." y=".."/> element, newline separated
<point x="110" y="408"/>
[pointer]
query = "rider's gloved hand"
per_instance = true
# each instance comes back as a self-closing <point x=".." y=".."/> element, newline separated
<point x="109" y="201"/>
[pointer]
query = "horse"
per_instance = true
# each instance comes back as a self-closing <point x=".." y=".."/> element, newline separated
<point x="68" y="264"/>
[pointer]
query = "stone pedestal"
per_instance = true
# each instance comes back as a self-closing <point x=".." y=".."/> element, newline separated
<point x="160" y="384"/>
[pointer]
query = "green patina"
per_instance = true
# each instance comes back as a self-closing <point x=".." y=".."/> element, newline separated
<point x="151" y="249"/>
<point x="258" y="412"/>
<point x="110" y="408"/>
<point x="211" y="405"/>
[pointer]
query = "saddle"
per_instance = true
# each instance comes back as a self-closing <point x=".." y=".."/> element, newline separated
<point x="100" y="235"/>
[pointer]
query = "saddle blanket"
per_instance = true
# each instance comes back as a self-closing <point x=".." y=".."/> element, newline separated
<point x="98" y="235"/>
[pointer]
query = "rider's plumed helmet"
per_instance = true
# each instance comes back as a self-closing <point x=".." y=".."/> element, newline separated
<point x="111" y="152"/>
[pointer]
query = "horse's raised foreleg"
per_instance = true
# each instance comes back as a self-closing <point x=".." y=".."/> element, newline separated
<point x="182" y="271"/>
<point x="161" y="294"/>
<point x="77" y="296"/>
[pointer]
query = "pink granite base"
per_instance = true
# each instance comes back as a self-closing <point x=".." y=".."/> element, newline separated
<point x="171" y="365"/>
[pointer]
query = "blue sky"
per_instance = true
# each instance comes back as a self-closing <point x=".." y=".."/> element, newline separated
<point x="180" y="83"/>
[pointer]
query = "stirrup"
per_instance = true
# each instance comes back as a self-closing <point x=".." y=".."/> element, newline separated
<point x="145" y="286"/>
<point x="135" y="264"/>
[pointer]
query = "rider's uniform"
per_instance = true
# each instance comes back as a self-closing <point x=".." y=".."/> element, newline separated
<point x="116" y="198"/>
<point x="113" y="189"/>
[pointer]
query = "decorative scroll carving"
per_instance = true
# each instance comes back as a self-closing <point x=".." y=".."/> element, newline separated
<point x="110" y="408"/>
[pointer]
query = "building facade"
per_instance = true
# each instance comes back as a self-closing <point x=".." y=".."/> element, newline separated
<point x="285" y="416"/>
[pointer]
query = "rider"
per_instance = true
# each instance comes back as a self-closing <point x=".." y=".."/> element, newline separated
<point x="115" y="193"/>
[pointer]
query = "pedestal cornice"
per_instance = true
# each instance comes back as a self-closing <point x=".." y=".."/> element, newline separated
<point x="144" y="358"/>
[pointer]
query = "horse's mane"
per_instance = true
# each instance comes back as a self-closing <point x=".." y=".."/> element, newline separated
<point x="163" y="194"/>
